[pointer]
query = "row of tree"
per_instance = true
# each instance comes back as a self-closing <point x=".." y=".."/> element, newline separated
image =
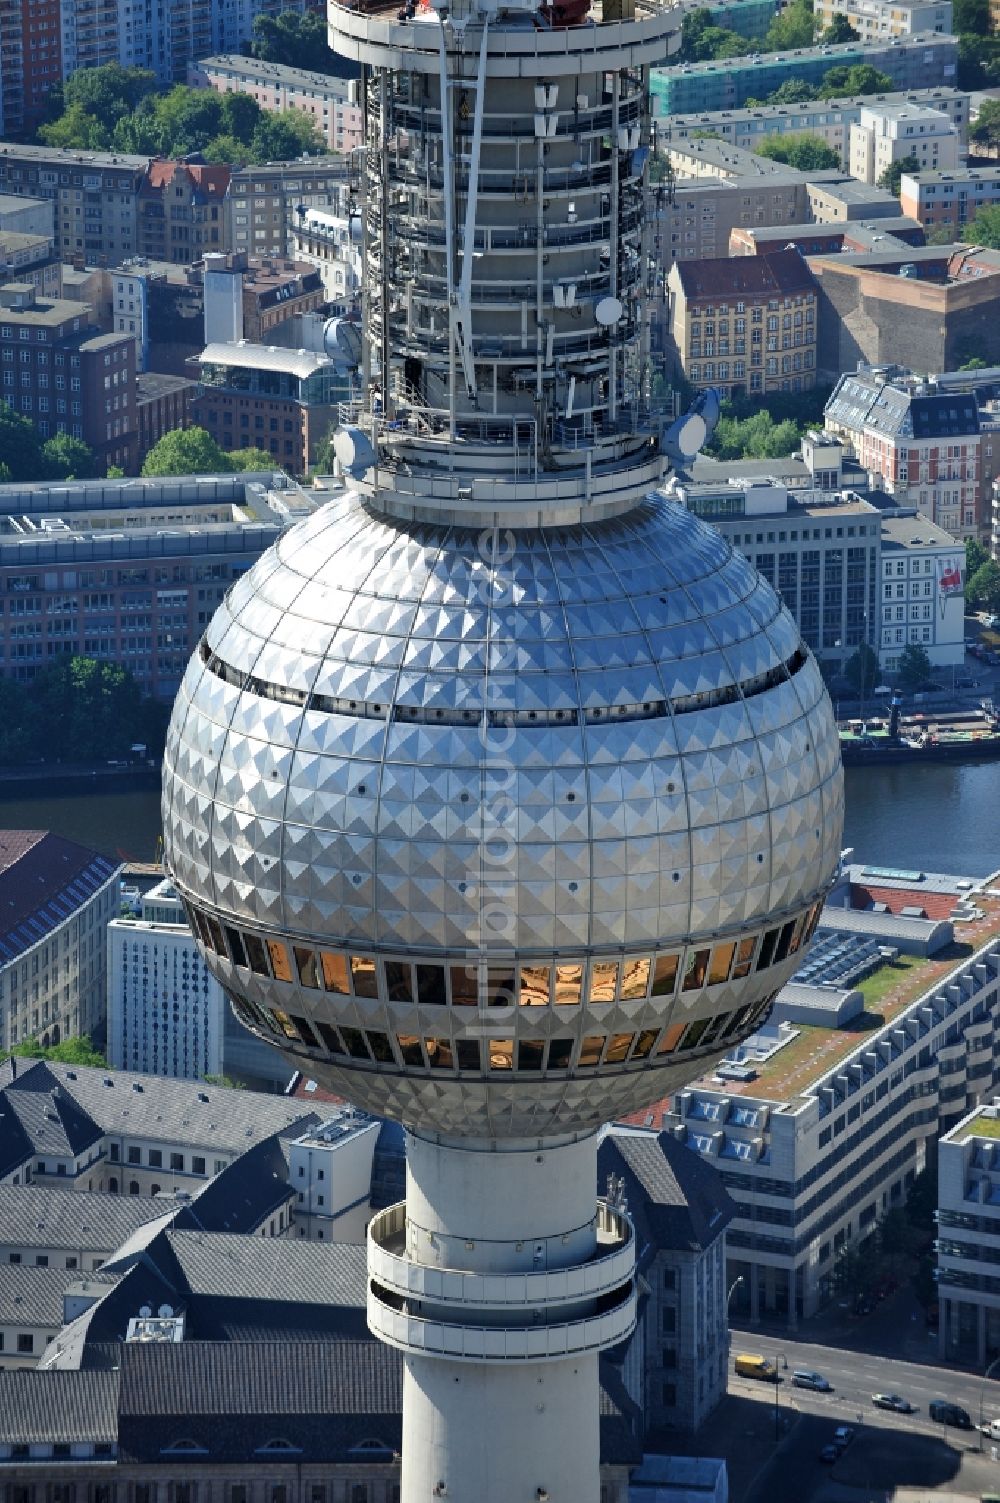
<point x="193" y="451"/>
<point x="862" y="669"/>
<point x="766" y="427"/>
<point x="298" y="42"/>
<point x="112" y="108"/>
<point x="24" y="456"/>
<point x="982" y="578"/>
<point x="843" y="81"/>
<point x="77" y="709"/>
<point x="795" y="26"/>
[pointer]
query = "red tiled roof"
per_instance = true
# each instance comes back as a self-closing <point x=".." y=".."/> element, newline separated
<point x="777" y="272"/>
<point x="212" y="180"/>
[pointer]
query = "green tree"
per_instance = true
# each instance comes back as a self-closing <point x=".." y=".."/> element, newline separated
<point x="702" y="40"/>
<point x="914" y="666"/>
<point x="861" y="670"/>
<point x="225" y="1081"/>
<point x="795" y="26"/>
<point x="940" y="234"/>
<point x="115" y="472"/>
<point x="282" y="138"/>
<point x="76" y="130"/>
<point x="67" y="458"/>
<point x="890" y="178"/>
<point x="975" y="556"/>
<point x="239" y="116"/>
<point x="858" y="78"/>
<point x="984" y="229"/>
<point x="298" y="41"/>
<point x="978" y="61"/>
<point x="74" y="1051"/>
<point x="974" y="363"/>
<point x="251" y="459"/>
<point x="792" y="91"/>
<point x="187" y="451"/>
<point x="802" y="150"/>
<point x="982" y="590"/>
<point x="971" y="16"/>
<point x="108" y="92"/>
<point x="986" y="131"/>
<point x="20" y="446"/>
<point x="755" y="437"/>
<point x="839" y="30"/>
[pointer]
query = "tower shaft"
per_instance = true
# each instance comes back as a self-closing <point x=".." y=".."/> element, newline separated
<point x="501" y="1280"/>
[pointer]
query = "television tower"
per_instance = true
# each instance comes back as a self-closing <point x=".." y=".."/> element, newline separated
<point x="502" y="794"/>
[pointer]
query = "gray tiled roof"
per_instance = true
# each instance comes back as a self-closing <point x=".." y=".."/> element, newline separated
<point x="59" y="1407"/>
<point x="271" y="1268"/>
<point x="680" y="1197"/>
<point x="31" y="1296"/>
<point x="52" y="1121"/>
<point x="40" y="1216"/>
<point x="242" y="1196"/>
<point x="44" y="879"/>
<point x="178" y="1111"/>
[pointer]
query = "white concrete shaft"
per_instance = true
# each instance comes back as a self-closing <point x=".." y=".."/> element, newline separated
<point x="499" y="1432"/>
<point x="509" y="1431"/>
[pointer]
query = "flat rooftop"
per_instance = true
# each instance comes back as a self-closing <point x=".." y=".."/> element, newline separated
<point x="956" y="175"/>
<point x="850" y="102"/>
<point x="292" y="78"/>
<point x="985" y="1124"/>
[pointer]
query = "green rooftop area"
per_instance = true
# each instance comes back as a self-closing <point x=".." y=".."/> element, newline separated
<point x="887" y="993"/>
<point x="980" y="1127"/>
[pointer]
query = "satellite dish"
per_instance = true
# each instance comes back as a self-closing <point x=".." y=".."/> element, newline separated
<point x="165" y="1312"/>
<point x="354" y="450"/>
<point x="608" y="311"/>
<point x="342" y="342"/>
<point x="689" y="434"/>
<point x="145" y="1311"/>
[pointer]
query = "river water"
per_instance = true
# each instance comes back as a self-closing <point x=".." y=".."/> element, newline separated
<point x="931" y="818"/>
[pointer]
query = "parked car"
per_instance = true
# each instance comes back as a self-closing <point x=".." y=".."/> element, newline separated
<point x="947" y="1413"/>
<point x="893" y="1401"/>
<point x="843" y="1435"/>
<point x="750" y="1365"/>
<point x="829" y="1453"/>
<point x="815" y="1381"/>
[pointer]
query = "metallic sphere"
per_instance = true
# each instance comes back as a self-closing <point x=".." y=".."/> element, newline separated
<point x="502" y="832"/>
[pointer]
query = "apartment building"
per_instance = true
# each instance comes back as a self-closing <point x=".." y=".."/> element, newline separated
<point x="816" y="1143"/>
<point x="182" y="211"/>
<point x="56" y="898"/>
<point x="827" y="239"/>
<point x="130" y="570"/>
<point x="951" y="197"/>
<point x="165" y="1009"/>
<point x="744" y="323"/>
<point x="253" y="396"/>
<point x="333" y="103"/>
<point x="95" y="197"/>
<point x="331" y="243"/>
<point x="921" y="61"/>
<point x="263" y="200"/>
<point x="874" y="20"/>
<point x="162" y="404"/>
<point x="923" y="571"/>
<point x="64" y="375"/>
<point x="26" y="216"/>
<point x="830" y="119"/>
<point x="888" y="133"/>
<point x="968" y="1240"/>
<point x="921" y="441"/>
<point x="820" y="550"/>
<point x="30" y="258"/>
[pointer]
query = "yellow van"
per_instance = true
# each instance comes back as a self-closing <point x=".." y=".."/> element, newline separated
<point x="750" y="1366"/>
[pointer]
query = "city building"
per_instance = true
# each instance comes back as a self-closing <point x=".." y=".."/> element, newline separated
<point x="332" y="244"/>
<point x="56" y="898"/>
<point x="952" y="197"/>
<point x="830" y="119"/>
<point x="744" y="323"/>
<point x="95" y="197"/>
<point x="922" y="442"/>
<point x="827" y="239"/>
<point x="874" y="20"/>
<point x="264" y="201"/>
<point x="333" y="103"/>
<point x="929" y="308"/>
<point x="695" y="220"/>
<point x="182" y="211"/>
<point x="65" y="376"/>
<point x="26" y="216"/>
<point x="968" y="1240"/>
<point x="818" y="1133"/>
<point x="248" y="297"/>
<point x="346" y="900"/>
<point x="252" y="396"/>
<point x="889" y="133"/>
<point x="133" y="1134"/>
<point x="923" y="572"/>
<point x="748" y="18"/>
<point x="921" y="61"/>
<point x="681" y="1214"/>
<point x="820" y="550"/>
<point x="30" y="258"/>
<point x="164" y="1009"/>
<point x="130" y="570"/>
<point x="162" y="404"/>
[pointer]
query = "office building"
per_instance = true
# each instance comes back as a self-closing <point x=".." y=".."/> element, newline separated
<point x="26" y="216"/>
<point x="922" y="61"/>
<point x="952" y="197"/>
<point x="56" y="898"/>
<point x="923" y="572"/>
<point x="818" y="1133"/>
<point x="284" y="401"/>
<point x="162" y="404"/>
<point x="744" y="324"/>
<point x="819" y="549"/>
<point x="889" y="133"/>
<point x="182" y="211"/>
<point x="130" y="570"/>
<point x="333" y="103"/>
<point x="164" y="1009"/>
<point x="921" y="441"/>
<point x="248" y="297"/>
<point x="331" y="243"/>
<point x="827" y="239"/>
<point x="968" y="1238"/>
<point x="32" y="259"/>
<point x="874" y="20"/>
<point x="830" y="119"/>
<point x="929" y="308"/>
<point x="264" y="201"/>
<point x="95" y="197"/>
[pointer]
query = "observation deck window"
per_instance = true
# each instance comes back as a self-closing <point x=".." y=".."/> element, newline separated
<point x="722" y="959"/>
<point x="431" y="988"/>
<point x="560" y="1054"/>
<point x="603" y="981"/>
<point x="280" y="963"/>
<point x="536" y="985"/>
<point x="468" y="1054"/>
<point x="464" y="986"/>
<point x="618" y="1048"/>
<point x="671" y="1038"/>
<point x="644" y="1044"/>
<point x="569" y="980"/>
<point x="236" y="947"/>
<point x="744" y="957"/>
<point x="665" y="975"/>
<point x="355" y="1041"/>
<point x="695" y="970"/>
<point x="308" y="967"/>
<point x="256" y="955"/>
<point x="410" y="1051"/>
<point x="590" y="1051"/>
<point x="364" y="975"/>
<point x="500" y="987"/>
<point x="335" y="977"/>
<point x="635" y="977"/>
<point x="501" y="1054"/>
<point x="529" y="1054"/>
<point x="439" y="1054"/>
